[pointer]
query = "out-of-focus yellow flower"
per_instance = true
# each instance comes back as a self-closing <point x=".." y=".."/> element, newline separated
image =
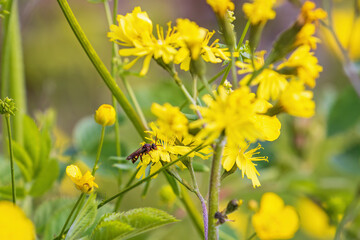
<point x="84" y="183"/>
<point x="305" y="63"/>
<point x="192" y="35"/>
<point x="305" y="36"/>
<point x="309" y="14"/>
<point x="239" y="114"/>
<point x="170" y="119"/>
<point x="220" y="7"/>
<point x="134" y="31"/>
<point x="274" y="220"/>
<point x="314" y="221"/>
<point x="14" y="225"/>
<point x="297" y="101"/>
<point x="167" y="195"/>
<point x="105" y="115"/>
<point x="237" y="153"/>
<point x="259" y="11"/>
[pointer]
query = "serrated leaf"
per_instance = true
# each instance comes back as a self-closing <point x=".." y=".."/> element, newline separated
<point x="45" y="179"/>
<point x="31" y="139"/>
<point x="23" y="161"/>
<point x="345" y="112"/>
<point x="131" y="223"/>
<point x="84" y="219"/>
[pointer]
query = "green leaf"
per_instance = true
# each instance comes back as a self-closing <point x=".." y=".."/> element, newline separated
<point x="84" y="219"/>
<point x="6" y="192"/>
<point x="23" y="161"/>
<point x="131" y="223"/>
<point x="173" y="183"/>
<point x="44" y="154"/>
<point x="200" y="167"/>
<point x="87" y="134"/>
<point x="31" y="140"/>
<point x="345" y="112"/>
<point x="349" y="161"/>
<point x="45" y="179"/>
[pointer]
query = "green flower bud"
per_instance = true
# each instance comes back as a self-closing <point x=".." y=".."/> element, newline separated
<point x="7" y="106"/>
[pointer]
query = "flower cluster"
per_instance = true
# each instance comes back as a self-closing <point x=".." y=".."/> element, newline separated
<point x="179" y="45"/>
<point x="84" y="183"/>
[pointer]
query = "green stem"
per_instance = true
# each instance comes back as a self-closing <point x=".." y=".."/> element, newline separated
<point x="206" y="84"/>
<point x="233" y="70"/>
<point x="99" y="150"/>
<point x="132" y="178"/>
<point x="252" y="236"/>
<point x="135" y="101"/>
<point x="116" y="126"/>
<point x="101" y="68"/>
<point x="148" y="177"/>
<point x="214" y="188"/>
<point x="70" y="215"/>
<point x="8" y="125"/>
<point x="243" y="35"/>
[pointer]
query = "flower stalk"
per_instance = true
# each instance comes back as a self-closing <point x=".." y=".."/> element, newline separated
<point x="99" y="150"/>
<point x="8" y="125"/>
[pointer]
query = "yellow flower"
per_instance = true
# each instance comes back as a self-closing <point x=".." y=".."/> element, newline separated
<point x="239" y="114"/>
<point x="167" y="195"/>
<point x="210" y="53"/>
<point x="305" y="63"/>
<point x="309" y="14"/>
<point x="192" y="35"/>
<point x="105" y="115"/>
<point x="84" y="183"/>
<point x="274" y="220"/>
<point x="237" y="153"/>
<point x="259" y="11"/>
<point x="220" y="7"/>
<point x="305" y="36"/>
<point x="134" y="31"/>
<point x="14" y="225"/>
<point x="314" y="221"/>
<point x="170" y="119"/>
<point x="297" y="101"/>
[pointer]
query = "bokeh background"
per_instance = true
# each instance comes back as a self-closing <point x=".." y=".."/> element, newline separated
<point x="314" y="165"/>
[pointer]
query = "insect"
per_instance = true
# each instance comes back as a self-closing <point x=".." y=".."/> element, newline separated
<point x="145" y="149"/>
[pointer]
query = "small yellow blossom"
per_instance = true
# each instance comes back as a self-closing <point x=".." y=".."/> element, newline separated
<point x="14" y="225"/>
<point x="105" y="115"/>
<point x="305" y="63"/>
<point x="305" y="36"/>
<point x="259" y="11"/>
<point x="314" y="220"/>
<point x="309" y="14"/>
<point x="134" y="31"/>
<point x="167" y="195"/>
<point x="84" y="183"/>
<point x="170" y="119"/>
<point x="239" y="114"/>
<point x="274" y="220"/>
<point x="220" y="7"/>
<point x="297" y="101"/>
<point x="237" y="153"/>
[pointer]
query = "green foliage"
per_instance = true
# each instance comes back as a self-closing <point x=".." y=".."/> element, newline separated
<point x="84" y="219"/>
<point x="45" y="178"/>
<point x="348" y="161"/>
<point x="23" y="161"/>
<point x="6" y="192"/>
<point x="200" y="167"/>
<point x="131" y="223"/>
<point x="344" y="113"/>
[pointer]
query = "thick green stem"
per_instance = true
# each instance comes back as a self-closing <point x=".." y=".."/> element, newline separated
<point x="8" y="125"/>
<point x="214" y="188"/>
<point x="70" y="215"/>
<point x="101" y="68"/>
<point x="99" y="150"/>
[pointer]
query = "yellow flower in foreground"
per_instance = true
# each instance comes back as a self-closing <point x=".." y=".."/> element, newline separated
<point x="171" y="119"/>
<point x="14" y="225"/>
<point x="239" y="114"/>
<point x="237" y="153"/>
<point x="220" y="7"/>
<point x="306" y="64"/>
<point x="259" y="11"/>
<point x="274" y="220"/>
<point x="84" y="183"/>
<point x="105" y="115"/>
<point x="309" y="14"/>
<point x="297" y="101"/>
<point x="314" y="221"/>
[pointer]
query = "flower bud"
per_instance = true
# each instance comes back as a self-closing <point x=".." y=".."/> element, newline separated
<point x="7" y="106"/>
<point x="105" y="115"/>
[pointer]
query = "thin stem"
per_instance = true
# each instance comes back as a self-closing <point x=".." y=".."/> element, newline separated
<point x="99" y="150"/>
<point x="135" y="101"/>
<point x="206" y="84"/>
<point x="233" y="70"/>
<point x="116" y="126"/>
<point x="195" y="90"/>
<point x="243" y="35"/>
<point x="148" y="177"/>
<point x="201" y="198"/>
<point x="8" y="125"/>
<point x="101" y="68"/>
<point x="132" y="178"/>
<point x="180" y="180"/>
<point x="70" y="215"/>
<point x="252" y="236"/>
<point x="214" y="188"/>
